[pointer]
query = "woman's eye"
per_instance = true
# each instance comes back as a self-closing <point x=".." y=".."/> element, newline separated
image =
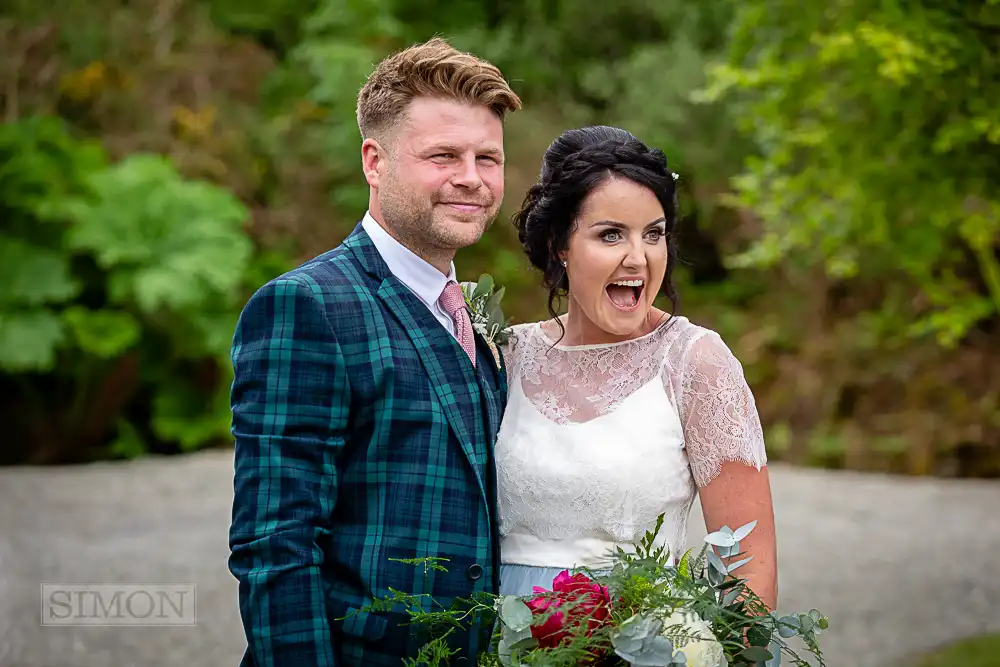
<point x="611" y="235"/>
<point x="656" y="234"/>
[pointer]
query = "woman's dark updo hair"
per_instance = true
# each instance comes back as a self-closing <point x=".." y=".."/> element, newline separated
<point x="576" y="163"/>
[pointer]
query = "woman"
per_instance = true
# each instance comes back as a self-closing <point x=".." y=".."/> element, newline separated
<point x="617" y="411"/>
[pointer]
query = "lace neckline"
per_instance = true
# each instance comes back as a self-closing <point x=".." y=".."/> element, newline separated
<point x="661" y="327"/>
<point x="578" y="383"/>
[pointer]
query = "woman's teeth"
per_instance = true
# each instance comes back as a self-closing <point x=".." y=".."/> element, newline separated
<point x="625" y="293"/>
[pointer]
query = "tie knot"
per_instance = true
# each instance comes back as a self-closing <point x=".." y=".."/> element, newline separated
<point x="452" y="300"/>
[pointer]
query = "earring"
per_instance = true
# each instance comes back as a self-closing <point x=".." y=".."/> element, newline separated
<point x="564" y="263"/>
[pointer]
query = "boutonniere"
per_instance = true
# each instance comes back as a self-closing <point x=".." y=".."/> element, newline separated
<point x="484" y="310"/>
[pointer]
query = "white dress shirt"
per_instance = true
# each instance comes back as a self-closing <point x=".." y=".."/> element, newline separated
<point x="417" y="274"/>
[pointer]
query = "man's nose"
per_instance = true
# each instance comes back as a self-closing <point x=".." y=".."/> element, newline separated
<point x="467" y="174"/>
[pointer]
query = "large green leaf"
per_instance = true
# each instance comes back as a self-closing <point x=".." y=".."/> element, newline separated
<point x="167" y="242"/>
<point x="31" y="275"/>
<point x="103" y="333"/>
<point x="29" y="340"/>
<point x="41" y="163"/>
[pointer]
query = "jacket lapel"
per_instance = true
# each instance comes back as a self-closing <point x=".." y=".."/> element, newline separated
<point x="428" y="337"/>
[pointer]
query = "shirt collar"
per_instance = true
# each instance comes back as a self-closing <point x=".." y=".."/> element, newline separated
<point x="416" y="273"/>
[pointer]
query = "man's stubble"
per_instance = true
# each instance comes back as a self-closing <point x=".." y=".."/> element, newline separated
<point x="420" y="226"/>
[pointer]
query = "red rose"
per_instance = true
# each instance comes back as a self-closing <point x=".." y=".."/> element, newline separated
<point x="584" y="600"/>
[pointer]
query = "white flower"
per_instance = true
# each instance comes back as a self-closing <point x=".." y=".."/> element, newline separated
<point x="701" y="649"/>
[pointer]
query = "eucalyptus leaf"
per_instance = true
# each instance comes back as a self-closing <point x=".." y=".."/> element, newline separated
<point x="515" y="614"/>
<point x="493" y="304"/>
<point x="514" y="641"/>
<point x="484" y="286"/>
<point x="716" y="562"/>
<point x="775" y="650"/>
<point x="730" y="551"/>
<point x="759" y="635"/>
<point x="638" y="640"/>
<point x="755" y="654"/>
<point x="720" y="539"/>
<point x="745" y="530"/>
<point x="788" y="626"/>
<point x="739" y="563"/>
<point x="806" y="623"/>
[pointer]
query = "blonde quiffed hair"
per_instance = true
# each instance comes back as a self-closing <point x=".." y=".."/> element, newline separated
<point x="432" y="69"/>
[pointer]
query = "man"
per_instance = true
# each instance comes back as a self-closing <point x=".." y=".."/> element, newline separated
<point x="365" y="408"/>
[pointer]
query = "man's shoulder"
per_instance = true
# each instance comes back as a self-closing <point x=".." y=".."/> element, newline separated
<point x="332" y="276"/>
<point x="333" y="285"/>
<point x="332" y="269"/>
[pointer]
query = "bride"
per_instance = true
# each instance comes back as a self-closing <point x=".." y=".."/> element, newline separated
<point x="618" y="411"/>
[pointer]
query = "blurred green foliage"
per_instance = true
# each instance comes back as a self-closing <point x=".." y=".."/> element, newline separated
<point x="877" y="132"/>
<point x="161" y="159"/>
<point x="120" y="280"/>
<point x="978" y="651"/>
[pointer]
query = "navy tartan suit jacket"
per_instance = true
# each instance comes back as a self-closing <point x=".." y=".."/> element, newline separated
<point x="363" y="434"/>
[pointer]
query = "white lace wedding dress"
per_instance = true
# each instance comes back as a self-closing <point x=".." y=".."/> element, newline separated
<point x="598" y="440"/>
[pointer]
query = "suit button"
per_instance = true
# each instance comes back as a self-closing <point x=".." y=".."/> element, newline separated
<point x="475" y="571"/>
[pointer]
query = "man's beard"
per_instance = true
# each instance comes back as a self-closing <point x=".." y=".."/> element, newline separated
<point x="424" y="224"/>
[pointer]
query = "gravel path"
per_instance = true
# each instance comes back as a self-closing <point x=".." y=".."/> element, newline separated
<point x="900" y="565"/>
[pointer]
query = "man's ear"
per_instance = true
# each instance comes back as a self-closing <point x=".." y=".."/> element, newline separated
<point x="373" y="161"/>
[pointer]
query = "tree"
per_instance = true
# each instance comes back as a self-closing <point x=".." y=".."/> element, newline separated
<point x="878" y="145"/>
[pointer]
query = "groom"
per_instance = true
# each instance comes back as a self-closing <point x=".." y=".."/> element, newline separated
<point x="365" y="408"/>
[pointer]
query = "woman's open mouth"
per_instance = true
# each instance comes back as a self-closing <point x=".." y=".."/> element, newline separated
<point x="625" y="294"/>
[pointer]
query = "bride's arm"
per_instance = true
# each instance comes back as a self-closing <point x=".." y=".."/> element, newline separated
<point x="739" y="495"/>
<point x="725" y="446"/>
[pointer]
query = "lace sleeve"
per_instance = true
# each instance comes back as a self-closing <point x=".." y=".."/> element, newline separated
<point x="718" y="410"/>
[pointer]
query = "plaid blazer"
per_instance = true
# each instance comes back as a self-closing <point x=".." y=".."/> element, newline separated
<point x="363" y="435"/>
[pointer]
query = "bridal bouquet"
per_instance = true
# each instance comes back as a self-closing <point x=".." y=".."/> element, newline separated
<point x="646" y="611"/>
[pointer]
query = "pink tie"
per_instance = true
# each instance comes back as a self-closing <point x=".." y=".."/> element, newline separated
<point x="453" y="302"/>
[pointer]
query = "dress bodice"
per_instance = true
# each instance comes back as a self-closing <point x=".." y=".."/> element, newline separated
<point x="598" y="440"/>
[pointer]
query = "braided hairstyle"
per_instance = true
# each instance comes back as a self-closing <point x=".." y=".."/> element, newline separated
<point x="576" y="163"/>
